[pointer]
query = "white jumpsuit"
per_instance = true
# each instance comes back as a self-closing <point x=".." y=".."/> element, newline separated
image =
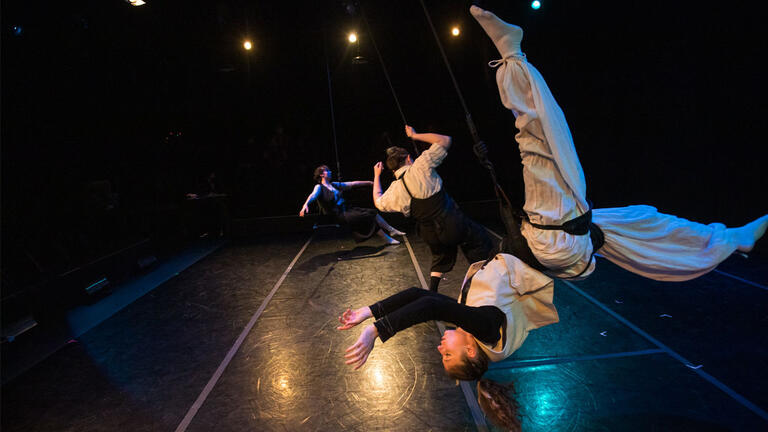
<point x="637" y="238"/>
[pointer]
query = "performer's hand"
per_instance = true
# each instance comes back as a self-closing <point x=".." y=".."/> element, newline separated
<point x="378" y="168"/>
<point x="351" y="318"/>
<point x="304" y="210"/>
<point x="358" y="353"/>
<point x="409" y="131"/>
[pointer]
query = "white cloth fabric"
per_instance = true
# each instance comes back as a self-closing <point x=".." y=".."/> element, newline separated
<point x="522" y="293"/>
<point x="422" y="179"/>
<point x="555" y="190"/>
<point x="637" y="238"/>
<point x="662" y="247"/>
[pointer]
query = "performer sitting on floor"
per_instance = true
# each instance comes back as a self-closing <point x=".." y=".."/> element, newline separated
<point x="505" y="297"/>
<point x="418" y="192"/>
<point x="363" y="222"/>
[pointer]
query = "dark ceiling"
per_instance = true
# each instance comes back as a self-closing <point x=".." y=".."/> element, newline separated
<point x="666" y="100"/>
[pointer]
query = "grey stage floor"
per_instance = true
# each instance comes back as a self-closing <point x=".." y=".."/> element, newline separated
<point x="245" y="340"/>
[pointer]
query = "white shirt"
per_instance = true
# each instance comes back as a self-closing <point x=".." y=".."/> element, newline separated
<point x="422" y="179"/>
<point x="522" y="293"/>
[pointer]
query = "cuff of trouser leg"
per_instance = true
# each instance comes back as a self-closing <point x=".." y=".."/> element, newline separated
<point x="384" y="328"/>
<point x="376" y="310"/>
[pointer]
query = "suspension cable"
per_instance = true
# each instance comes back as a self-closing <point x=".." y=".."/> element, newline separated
<point x="333" y="117"/>
<point x="479" y="148"/>
<point x="386" y="74"/>
<point x="467" y="115"/>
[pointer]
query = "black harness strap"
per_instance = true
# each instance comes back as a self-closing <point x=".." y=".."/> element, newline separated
<point x="402" y="180"/>
<point x="514" y="243"/>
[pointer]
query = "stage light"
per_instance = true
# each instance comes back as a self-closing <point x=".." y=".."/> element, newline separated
<point x="17" y="30"/>
<point x="247" y="45"/>
<point x="352" y="37"/>
<point x="136" y="2"/>
<point x="536" y="4"/>
<point x="455" y="31"/>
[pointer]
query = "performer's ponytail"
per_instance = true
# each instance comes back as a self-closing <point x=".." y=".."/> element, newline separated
<point x="496" y="400"/>
<point x="499" y="404"/>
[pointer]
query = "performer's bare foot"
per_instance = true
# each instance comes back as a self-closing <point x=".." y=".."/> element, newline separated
<point x="750" y="233"/>
<point x="505" y="36"/>
<point x="396" y="232"/>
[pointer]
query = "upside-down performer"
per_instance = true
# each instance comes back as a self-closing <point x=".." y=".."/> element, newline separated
<point x="364" y="222"/>
<point x="504" y="298"/>
<point x="418" y="192"/>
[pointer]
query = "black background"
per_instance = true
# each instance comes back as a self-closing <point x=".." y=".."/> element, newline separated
<point x="111" y="113"/>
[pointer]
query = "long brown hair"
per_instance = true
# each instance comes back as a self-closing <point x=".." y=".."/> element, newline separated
<point x="499" y="404"/>
<point x="496" y="400"/>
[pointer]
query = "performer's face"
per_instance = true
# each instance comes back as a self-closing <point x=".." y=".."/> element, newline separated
<point x="453" y="346"/>
<point x="327" y="174"/>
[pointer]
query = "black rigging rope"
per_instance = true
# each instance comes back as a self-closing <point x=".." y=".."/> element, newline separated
<point x="481" y="151"/>
<point x="386" y="74"/>
<point x="468" y="116"/>
<point x="333" y="117"/>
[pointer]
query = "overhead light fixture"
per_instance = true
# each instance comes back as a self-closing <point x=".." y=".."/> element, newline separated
<point x="136" y="2"/>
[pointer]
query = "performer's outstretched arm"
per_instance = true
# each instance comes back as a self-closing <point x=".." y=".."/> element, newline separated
<point x="432" y="138"/>
<point x="313" y="196"/>
<point x="354" y="184"/>
<point x="413" y="306"/>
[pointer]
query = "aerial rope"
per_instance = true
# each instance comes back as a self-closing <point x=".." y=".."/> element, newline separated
<point x="333" y="117"/>
<point x="479" y="146"/>
<point x="386" y="73"/>
<point x="481" y="151"/>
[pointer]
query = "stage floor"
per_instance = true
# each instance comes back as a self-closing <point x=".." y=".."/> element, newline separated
<point x="246" y="339"/>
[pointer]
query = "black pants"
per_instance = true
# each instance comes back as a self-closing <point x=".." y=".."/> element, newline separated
<point x="444" y="235"/>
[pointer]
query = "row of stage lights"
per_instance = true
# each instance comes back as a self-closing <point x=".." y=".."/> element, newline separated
<point x="535" y="4"/>
<point x="352" y="37"/>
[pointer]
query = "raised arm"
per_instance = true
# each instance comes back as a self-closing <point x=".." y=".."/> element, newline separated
<point x="313" y="196"/>
<point x="432" y="138"/>
<point x="377" y="192"/>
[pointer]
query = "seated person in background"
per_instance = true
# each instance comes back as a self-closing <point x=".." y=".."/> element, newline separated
<point x="363" y="222"/>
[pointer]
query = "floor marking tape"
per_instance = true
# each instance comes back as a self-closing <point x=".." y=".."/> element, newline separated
<point x="474" y="407"/>
<point x="240" y="339"/>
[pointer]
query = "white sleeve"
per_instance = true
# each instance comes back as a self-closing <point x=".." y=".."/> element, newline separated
<point x="386" y="202"/>
<point x="431" y="158"/>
